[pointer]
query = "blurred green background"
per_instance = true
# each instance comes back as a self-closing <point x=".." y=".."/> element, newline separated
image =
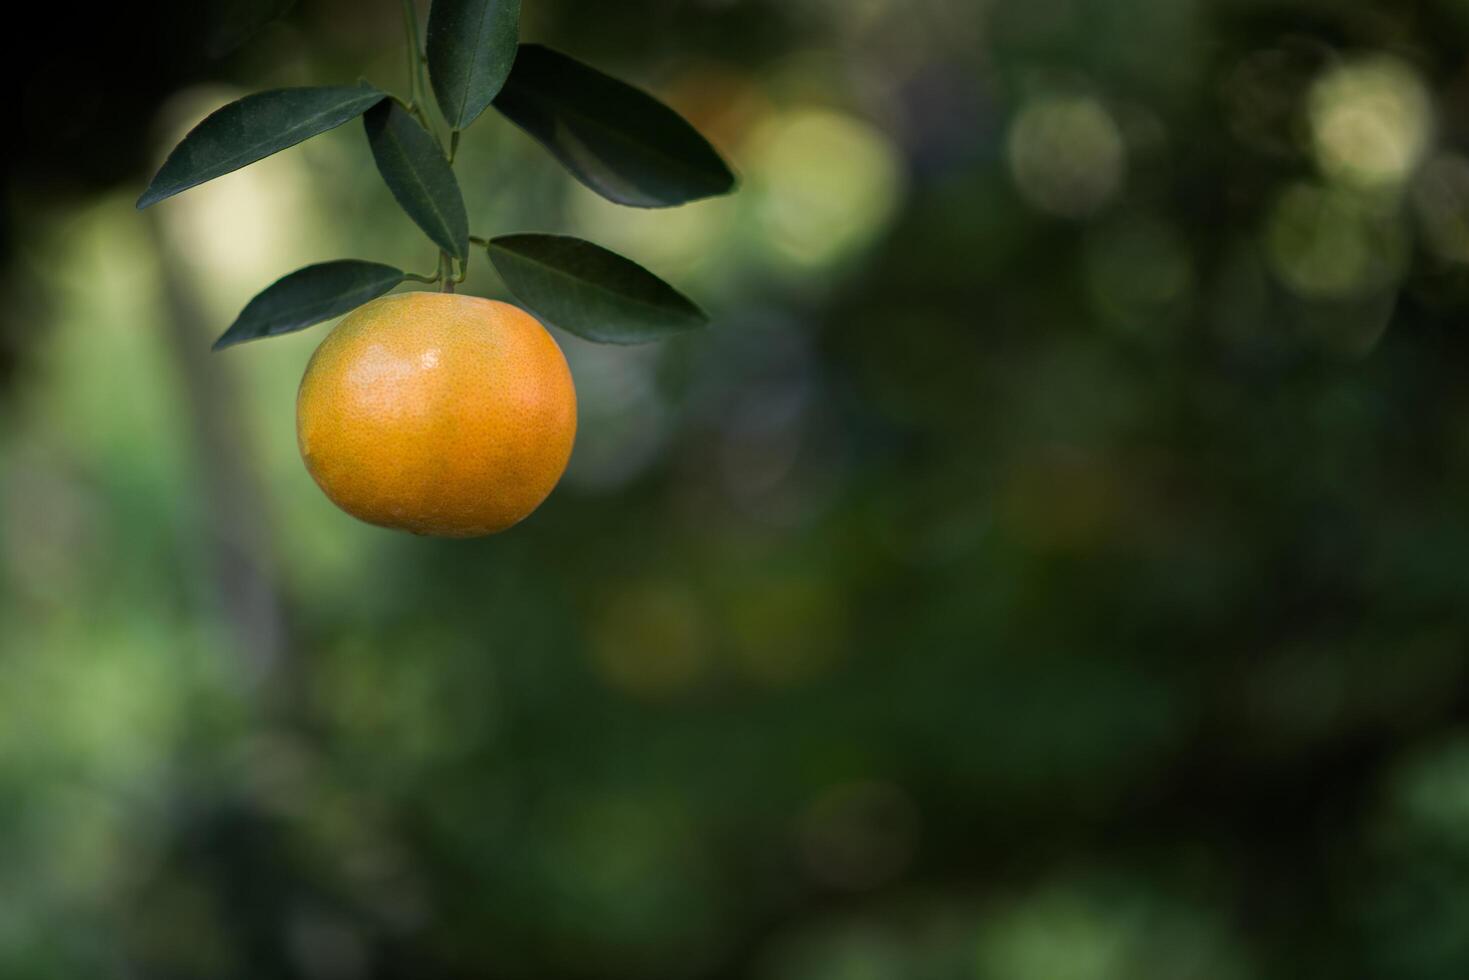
<point x="1050" y="566"/>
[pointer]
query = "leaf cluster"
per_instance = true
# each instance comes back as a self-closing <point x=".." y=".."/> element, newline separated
<point x="616" y="139"/>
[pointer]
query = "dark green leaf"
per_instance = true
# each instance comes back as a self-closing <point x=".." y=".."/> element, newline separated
<point x="252" y="128"/>
<point x="471" y="46"/>
<point x="237" y="21"/>
<point x="619" y="141"/>
<point x="414" y="168"/>
<point x="596" y="294"/>
<point x="310" y="295"/>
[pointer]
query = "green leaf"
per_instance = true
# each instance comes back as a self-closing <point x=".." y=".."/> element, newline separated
<point x="471" y="46"/>
<point x="414" y="168"/>
<point x="308" y="296"/>
<point x="253" y="128"/>
<point x="591" y="292"/>
<point x="619" y="141"/>
<point x="238" y="21"/>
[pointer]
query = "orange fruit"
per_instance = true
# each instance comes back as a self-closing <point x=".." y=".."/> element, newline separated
<point x="437" y="413"/>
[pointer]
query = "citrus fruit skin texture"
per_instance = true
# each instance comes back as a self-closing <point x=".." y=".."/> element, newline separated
<point x="437" y="414"/>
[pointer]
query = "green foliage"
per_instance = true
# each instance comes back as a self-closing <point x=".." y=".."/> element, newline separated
<point x="619" y="141"/>
<point x="414" y="168"/>
<point x="591" y="292"/>
<point x="471" y="46"/>
<point x="252" y="129"/>
<point x="309" y="296"/>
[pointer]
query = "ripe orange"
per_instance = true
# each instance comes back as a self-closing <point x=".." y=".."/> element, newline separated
<point x="437" y="413"/>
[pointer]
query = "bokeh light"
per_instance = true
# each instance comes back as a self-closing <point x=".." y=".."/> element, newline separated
<point x="1094" y="928"/>
<point x="1371" y="122"/>
<point x="1139" y="271"/>
<point x="652" y="640"/>
<point x="824" y="184"/>
<point x="1326" y="243"/>
<point x="1067" y="154"/>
